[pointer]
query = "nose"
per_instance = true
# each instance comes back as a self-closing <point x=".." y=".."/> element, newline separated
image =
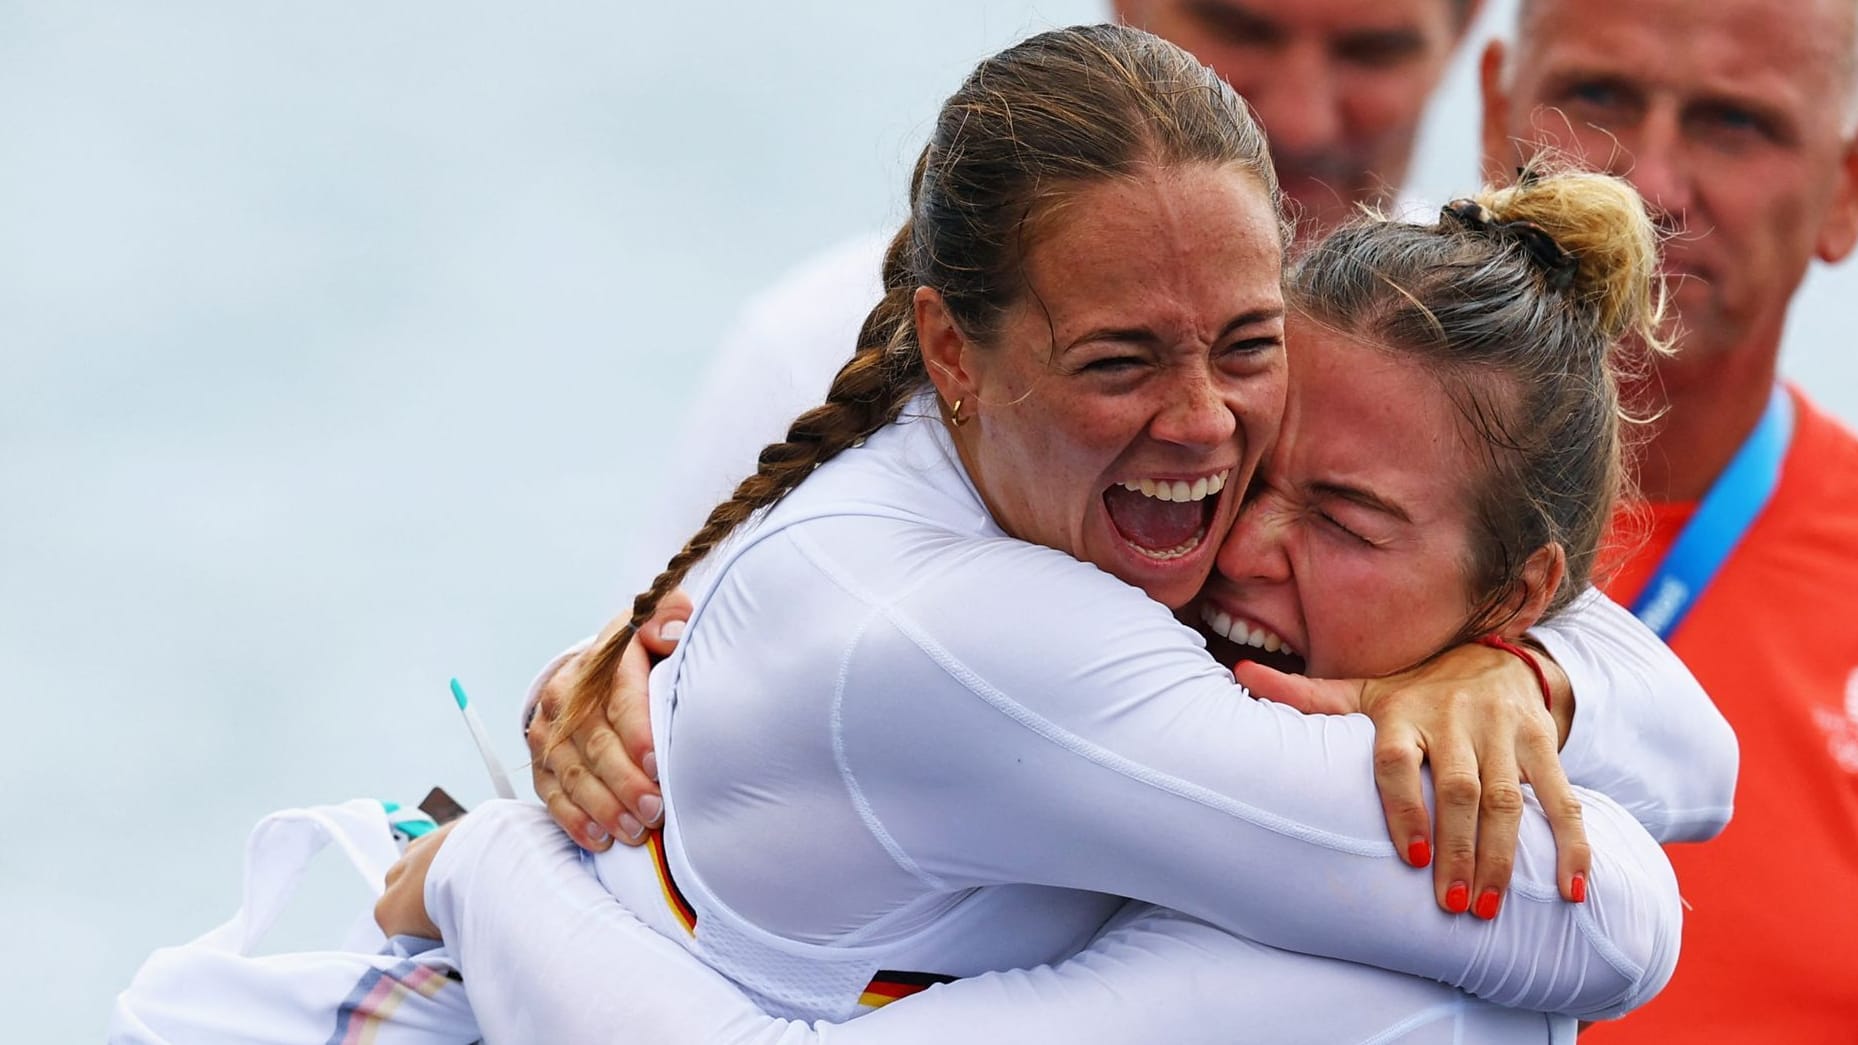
<point x="1196" y="414"/>
<point x="1655" y="161"/>
<point x="1298" y="101"/>
<point x="1255" y="549"/>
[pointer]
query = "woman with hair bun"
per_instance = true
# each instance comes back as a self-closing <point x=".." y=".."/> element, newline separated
<point x="933" y="713"/>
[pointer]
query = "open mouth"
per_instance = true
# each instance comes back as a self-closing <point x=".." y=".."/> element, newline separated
<point x="1164" y="519"/>
<point x="1232" y="639"/>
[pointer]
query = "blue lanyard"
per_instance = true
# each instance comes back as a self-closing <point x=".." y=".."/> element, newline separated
<point x="1726" y="513"/>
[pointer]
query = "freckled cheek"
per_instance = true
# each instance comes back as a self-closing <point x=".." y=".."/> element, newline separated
<point x="1330" y="592"/>
<point x="1060" y="481"/>
<point x="1258" y="404"/>
<point x="1360" y="613"/>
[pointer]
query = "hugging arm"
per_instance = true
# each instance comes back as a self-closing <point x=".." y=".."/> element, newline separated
<point x="548" y="955"/>
<point x="601" y="783"/>
<point x="1096" y="746"/>
<point x="1624" y="935"/>
<point x="1645" y="733"/>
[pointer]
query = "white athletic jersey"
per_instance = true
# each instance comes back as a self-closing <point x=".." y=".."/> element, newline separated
<point x="957" y="711"/>
<point x="547" y="955"/>
<point x="1644" y="733"/>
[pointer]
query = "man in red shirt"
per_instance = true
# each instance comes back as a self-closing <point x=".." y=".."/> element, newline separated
<point x="1735" y="118"/>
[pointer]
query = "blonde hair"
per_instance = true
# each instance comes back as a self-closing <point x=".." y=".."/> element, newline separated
<point x="1523" y="300"/>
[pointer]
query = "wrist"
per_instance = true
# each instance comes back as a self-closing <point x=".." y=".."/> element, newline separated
<point x="1553" y="681"/>
<point x="1561" y="696"/>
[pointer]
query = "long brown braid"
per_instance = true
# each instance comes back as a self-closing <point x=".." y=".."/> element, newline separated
<point x="1028" y="127"/>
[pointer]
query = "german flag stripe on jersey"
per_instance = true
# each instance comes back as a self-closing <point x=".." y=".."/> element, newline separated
<point x="889" y="985"/>
<point x="686" y="915"/>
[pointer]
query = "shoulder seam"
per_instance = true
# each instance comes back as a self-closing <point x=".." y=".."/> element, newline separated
<point x="867" y="815"/>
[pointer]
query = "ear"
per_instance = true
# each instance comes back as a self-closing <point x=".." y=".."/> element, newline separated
<point x="946" y="350"/>
<point x="1838" y="234"/>
<point x="1498" y="148"/>
<point x="1541" y="578"/>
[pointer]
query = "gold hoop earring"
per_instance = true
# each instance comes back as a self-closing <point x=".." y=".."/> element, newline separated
<point x="954" y="414"/>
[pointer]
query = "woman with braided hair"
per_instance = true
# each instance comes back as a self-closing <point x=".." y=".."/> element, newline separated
<point x="932" y="705"/>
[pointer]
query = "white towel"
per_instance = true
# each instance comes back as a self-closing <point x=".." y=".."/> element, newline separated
<point x="216" y="990"/>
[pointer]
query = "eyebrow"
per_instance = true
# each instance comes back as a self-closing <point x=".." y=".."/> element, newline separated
<point x="1245" y="23"/>
<point x="1145" y="336"/>
<point x="1357" y="495"/>
<point x="1235" y="21"/>
<point x="1775" y="116"/>
<point x="1561" y="81"/>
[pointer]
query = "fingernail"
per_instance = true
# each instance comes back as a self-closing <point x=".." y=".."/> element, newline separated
<point x="1419" y="854"/>
<point x="650" y="764"/>
<point x="597" y="834"/>
<point x="1488" y="903"/>
<point x="1458" y="898"/>
<point x="650" y="807"/>
<point x="672" y="631"/>
<point x="630" y="827"/>
<point x="1578" y="888"/>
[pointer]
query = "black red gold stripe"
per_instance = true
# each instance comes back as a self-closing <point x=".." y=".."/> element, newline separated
<point x="889" y="985"/>
<point x="686" y="914"/>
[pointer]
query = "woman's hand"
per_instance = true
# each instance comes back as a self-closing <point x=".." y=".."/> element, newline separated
<point x="601" y="784"/>
<point x="401" y="910"/>
<point x="1476" y="714"/>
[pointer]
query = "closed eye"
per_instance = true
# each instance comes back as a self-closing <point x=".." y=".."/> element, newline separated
<point x="1335" y="524"/>
<point x="1254" y="345"/>
<point x="1113" y="364"/>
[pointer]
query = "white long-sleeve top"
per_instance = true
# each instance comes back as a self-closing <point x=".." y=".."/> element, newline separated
<point x="1644" y="733"/>
<point x="961" y="711"/>
<point x="548" y="955"/>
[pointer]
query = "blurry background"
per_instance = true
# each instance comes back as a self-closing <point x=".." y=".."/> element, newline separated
<point x="340" y="346"/>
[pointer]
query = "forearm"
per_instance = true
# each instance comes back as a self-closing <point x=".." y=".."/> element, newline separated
<point x="1644" y="732"/>
<point x="1304" y="835"/>
<point x="548" y="956"/>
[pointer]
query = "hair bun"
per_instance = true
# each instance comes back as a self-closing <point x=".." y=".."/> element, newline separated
<point x="1556" y="263"/>
<point x="1593" y="236"/>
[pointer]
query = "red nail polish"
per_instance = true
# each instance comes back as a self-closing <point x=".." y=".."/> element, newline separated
<point x="1419" y="854"/>
<point x="1488" y="903"/>
<point x="1458" y="898"/>
<point x="1578" y="888"/>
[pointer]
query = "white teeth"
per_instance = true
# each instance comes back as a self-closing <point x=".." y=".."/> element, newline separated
<point x="1177" y="489"/>
<point x="1175" y="552"/>
<point x="1237" y="629"/>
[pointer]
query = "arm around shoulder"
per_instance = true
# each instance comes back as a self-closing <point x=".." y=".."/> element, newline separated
<point x="1645" y="733"/>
